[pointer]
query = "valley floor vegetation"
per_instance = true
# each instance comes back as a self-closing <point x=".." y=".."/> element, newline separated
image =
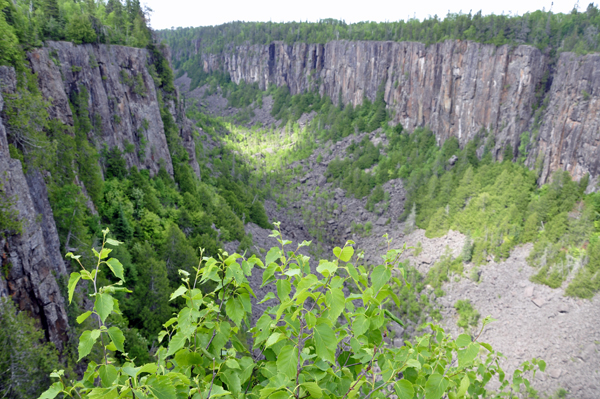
<point x="496" y="203"/>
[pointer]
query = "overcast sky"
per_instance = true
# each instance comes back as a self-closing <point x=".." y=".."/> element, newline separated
<point x="174" y="13"/>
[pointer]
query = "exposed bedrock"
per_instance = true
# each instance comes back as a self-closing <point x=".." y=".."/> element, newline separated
<point x="457" y="88"/>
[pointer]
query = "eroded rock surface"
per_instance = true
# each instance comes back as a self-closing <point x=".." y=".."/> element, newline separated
<point x="31" y="261"/>
<point x="457" y="88"/>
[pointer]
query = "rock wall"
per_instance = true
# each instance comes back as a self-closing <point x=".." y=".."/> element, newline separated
<point x="123" y="102"/>
<point x="569" y="137"/>
<point x="457" y="88"/>
<point x="124" y="108"/>
<point x="31" y="261"/>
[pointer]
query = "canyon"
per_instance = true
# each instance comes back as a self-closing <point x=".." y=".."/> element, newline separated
<point x="456" y="88"/>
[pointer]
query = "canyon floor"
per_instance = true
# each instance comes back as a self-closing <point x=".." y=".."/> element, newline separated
<point x="531" y="320"/>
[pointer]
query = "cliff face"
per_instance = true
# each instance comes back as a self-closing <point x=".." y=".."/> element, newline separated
<point x="455" y="88"/>
<point x="124" y="108"/>
<point x="569" y="137"/>
<point x="123" y="103"/>
<point x="31" y="261"/>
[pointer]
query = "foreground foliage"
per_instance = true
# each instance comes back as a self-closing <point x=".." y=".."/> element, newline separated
<point x="313" y="341"/>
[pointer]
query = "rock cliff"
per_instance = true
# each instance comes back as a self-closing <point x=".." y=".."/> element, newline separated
<point x="31" y="261"/>
<point x="123" y="103"/>
<point x="457" y="88"/>
<point x="569" y="137"/>
<point x="125" y="109"/>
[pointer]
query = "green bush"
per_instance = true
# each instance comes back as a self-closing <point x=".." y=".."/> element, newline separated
<point x="313" y="341"/>
<point x="467" y="315"/>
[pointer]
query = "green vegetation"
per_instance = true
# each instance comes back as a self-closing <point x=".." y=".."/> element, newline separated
<point x="548" y="31"/>
<point x="313" y="341"/>
<point x="26" y="24"/>
<point x="164" y="218"/>
<point x="9" y="217"/>
<point x="497" y="204"/>
<point x="25" y="360"/>
<point x="467" y="315"/>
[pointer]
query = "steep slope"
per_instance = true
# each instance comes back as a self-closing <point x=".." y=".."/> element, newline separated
<point x="31" y="261"/>
<point x="125" y="109"/>
<point x="457" y="88"/>
<point x="123" y="102"/>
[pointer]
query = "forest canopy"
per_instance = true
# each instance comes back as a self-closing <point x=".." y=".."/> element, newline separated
<point x="27" y="24"/>
<point x="576" y="31"/>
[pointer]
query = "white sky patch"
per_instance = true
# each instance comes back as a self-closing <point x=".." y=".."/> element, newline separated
<point x="175" y="13"/>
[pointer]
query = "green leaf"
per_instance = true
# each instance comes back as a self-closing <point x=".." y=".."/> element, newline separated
<point x="108" y="374"/>
<point x="463" y="340"/>
<point x="466" y="356"/>
<point x="393" y="317"/>
<point x="81" y="318"/>
<point x="117" y="338"/>
<point x="281" y="394"/>
<point x="51" y="392"/>
<point x="326" y="268"/>
<point x="464" y="386"/>
<point x="352" y="271"/>
<point x="232" y="378"/>
<point x="104" y="253"/>
<point x="325" y="342"/>
<point x="235" y="271"/>
<point x="360" y="325"/>
<point x="313" y="389"/>
<point x="103" y="393"/>
<point x="235" y="310"/>
<point x="380" y="276"/>
<point x="273" y="254"/>
<point x="247" y="364"/>
<point x="274" y="338"/>
<point x="178" y="292"/>
<point x="247" y="268"/>
<point x="284" y="287"/>
<point x="343" y="254"/>
<point x="414" y="363"/>
<point x="268" y="274"/>
<point x="270" y="295"/>
<point x="162" y="388"/>
<point x="287" y="361"/>
<point x="104" y="305"/>
<point x="311" y="319"/>
<point x="404" y="389"/>
<point x="231" y="259"/>
<point x="435" y="386"/>
<point x="262" y="329"/>
<point x="86" y="342"/>
<point x="336" y="301"/>
<point x="176" y="343"/>
<point x="542" y="365"/>
<point x="116" y="267"/>
<point x="112" y="242"/>
<point x="232" y="363"/>
<point x="216" y="392"/>
<point x="72" y="284"/>
<point x="147" y="368"/>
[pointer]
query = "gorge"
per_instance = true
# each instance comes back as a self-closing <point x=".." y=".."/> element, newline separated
<point x="171" y="162"/>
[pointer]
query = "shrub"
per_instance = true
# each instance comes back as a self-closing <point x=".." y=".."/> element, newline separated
<point x="313" y="341"/>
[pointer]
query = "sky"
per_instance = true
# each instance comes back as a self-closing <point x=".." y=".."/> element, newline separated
<point x="176" y="13"/>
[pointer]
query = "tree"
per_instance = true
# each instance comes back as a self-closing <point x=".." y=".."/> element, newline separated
<point x="25" y="359"/>
<point x="149" y="305"/>
<point x="80" y="29"/>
